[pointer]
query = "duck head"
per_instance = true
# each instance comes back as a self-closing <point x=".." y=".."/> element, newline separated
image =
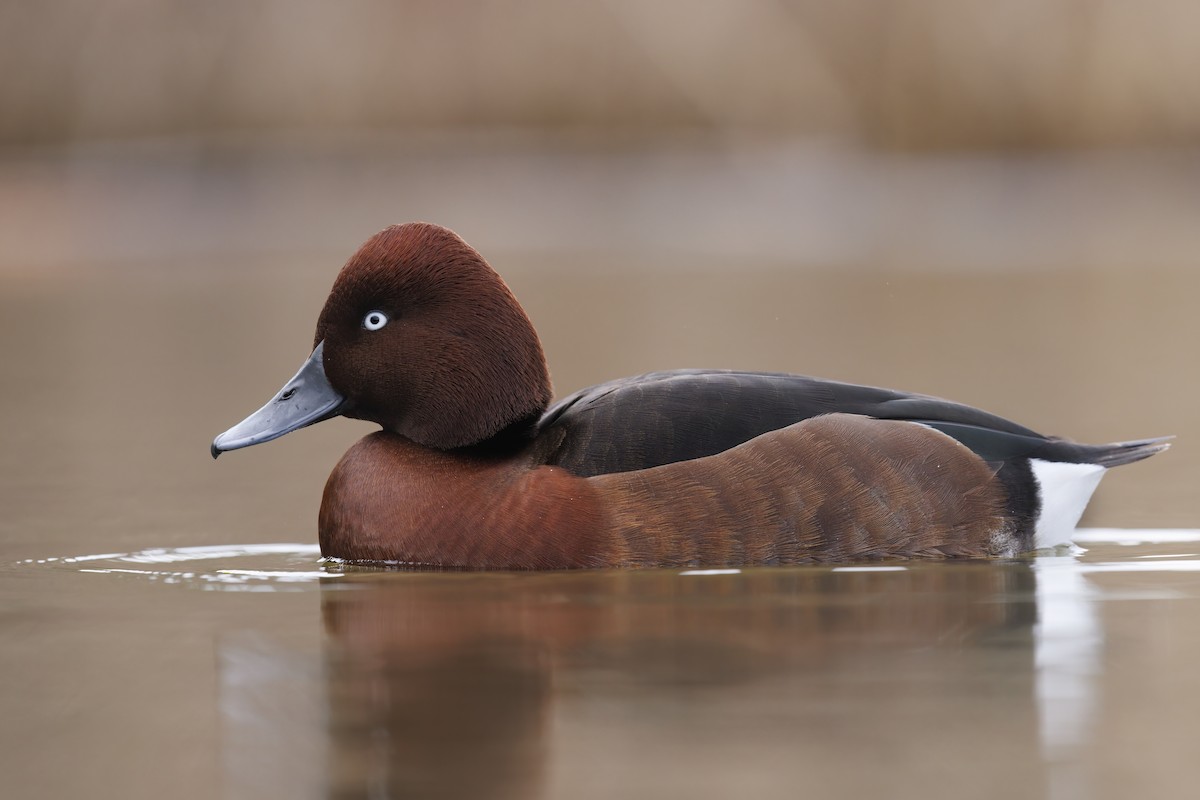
<point x="421" y="336"/>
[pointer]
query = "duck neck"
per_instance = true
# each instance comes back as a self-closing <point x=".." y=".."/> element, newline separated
<point x="509" y="442"/>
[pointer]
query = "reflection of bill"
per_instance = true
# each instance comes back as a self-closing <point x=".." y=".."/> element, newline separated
<point x="471" y="685"/>
<point x="272" y="706"/>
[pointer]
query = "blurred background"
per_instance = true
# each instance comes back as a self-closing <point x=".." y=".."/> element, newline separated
<point x="921" y="134"/>
<point x="992" y="202"/>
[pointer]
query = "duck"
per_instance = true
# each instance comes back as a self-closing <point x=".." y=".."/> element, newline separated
<point x="474" y="468"/>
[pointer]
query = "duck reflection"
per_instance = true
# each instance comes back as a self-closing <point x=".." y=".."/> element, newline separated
<point x="414" y="713"/>
<point x="448" y="685"/>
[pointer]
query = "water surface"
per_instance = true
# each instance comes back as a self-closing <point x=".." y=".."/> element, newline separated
<point x="260" y="671"/>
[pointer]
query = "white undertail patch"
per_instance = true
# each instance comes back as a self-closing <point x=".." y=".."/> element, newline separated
<point x="1064" y="490"/>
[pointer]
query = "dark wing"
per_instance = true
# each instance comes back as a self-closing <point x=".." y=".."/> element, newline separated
<point x="664" y="417"/>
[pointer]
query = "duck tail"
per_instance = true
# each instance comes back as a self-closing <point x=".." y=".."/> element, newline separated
<point x="1119" y="453"/>
<point x="1065" y="482"/>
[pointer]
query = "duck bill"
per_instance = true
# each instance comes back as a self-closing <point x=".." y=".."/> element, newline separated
<point x="305" y="399"/>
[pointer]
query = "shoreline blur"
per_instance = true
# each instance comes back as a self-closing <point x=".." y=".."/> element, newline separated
<point x="703" y="203"/>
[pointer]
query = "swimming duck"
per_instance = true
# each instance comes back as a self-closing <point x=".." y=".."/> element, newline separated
<point x="475" y="469"/>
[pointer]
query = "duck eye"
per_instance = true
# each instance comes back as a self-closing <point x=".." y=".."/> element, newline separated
<point x="374" y="320"/>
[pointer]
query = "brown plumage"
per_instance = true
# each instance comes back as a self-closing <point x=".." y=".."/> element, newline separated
<point x="890" y="489"/>
<point x="688" y="468"/>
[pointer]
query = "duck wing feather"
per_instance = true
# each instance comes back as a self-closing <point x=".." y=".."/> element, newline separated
<point x="665" y="417"/>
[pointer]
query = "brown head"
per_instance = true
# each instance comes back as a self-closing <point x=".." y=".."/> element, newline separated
<point x="423" y="337"/>
<point x="420" y="335"/>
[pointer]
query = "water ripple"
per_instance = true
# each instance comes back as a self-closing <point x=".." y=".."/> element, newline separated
<point x="284" y="566"/>
<point x="239" y="567"/>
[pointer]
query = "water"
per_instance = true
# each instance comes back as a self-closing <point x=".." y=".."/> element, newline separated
<point x="168" y="629"/>
<point x="258" y="670"/>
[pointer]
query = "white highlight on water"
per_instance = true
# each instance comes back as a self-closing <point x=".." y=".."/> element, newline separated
<point x="871" y="569"/>
<point x="1068" y="641"/>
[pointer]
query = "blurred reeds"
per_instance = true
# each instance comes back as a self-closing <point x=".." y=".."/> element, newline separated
<point x="907" y="74"/>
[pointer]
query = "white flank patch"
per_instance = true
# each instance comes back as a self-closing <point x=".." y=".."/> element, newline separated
<point x="1065" y="490"/>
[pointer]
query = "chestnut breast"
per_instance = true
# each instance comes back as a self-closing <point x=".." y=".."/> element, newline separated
<point x="389" y="499"/>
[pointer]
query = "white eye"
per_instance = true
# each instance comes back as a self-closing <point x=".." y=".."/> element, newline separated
<point x="374" y="320"/>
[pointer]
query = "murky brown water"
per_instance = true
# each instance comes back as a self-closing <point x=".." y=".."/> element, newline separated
<point x="188" y="657"/>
